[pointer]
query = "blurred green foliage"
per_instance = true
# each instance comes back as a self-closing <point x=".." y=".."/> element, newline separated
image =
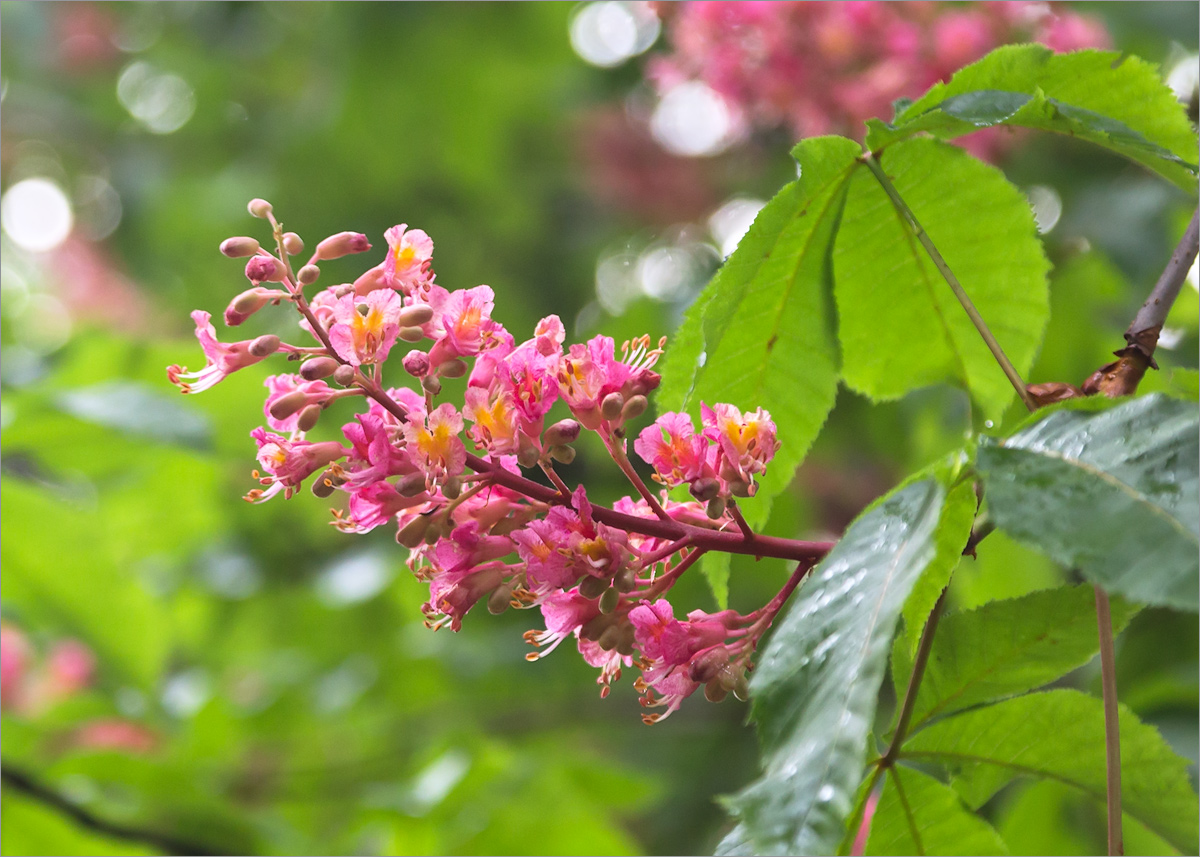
<point x="296" y="703"/>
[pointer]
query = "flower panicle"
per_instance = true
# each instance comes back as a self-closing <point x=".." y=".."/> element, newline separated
<point x="450" y="476"/>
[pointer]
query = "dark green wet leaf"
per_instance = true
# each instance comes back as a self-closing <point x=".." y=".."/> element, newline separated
<point x="1112" y="493"/>
<point x="919" y="815"/>
<point x="817" y="683"/>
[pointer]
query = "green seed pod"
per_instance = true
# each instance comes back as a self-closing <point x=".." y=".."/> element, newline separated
<point x="411" y="334"/>
<point x="451" y="487"/>
<point x="411" y="485"/>
<point x="714" y="691"/>
<point x="499" y="600"/>
<point x="716" y="508"/>
<point x="307" y="275"/>
<point x="285" y="406"/>
<point x="431" y="385"/>
<point x="610" y="639"/>
<point x="453" y="369"/>
<point x="609" y="600"/>
<point x="592" y="587"/>
<point x="435" y="532"/>
<point x="611" y="407"/>
<point x="413" y="533"/>
<point x="564" y="454"/>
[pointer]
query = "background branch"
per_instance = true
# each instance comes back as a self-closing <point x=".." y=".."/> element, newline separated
<point x="30" y="787"/>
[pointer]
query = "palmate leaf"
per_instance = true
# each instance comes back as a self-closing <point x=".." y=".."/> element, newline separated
<point x="919" y="815"/>
<point x="1059" y="735"/>
<point x="1113" y="494"/>
<point x="1007" y="647"/>
<point x="1120" y="103"/>
<point x="816" y="685"/>
<point x="900" y="325"/>
<point x="758" y="336"/>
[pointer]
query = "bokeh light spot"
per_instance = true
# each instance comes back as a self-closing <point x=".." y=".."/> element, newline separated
<point x="36" y="214"/>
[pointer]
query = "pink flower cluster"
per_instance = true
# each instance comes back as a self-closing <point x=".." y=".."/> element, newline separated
<point x="478" y="528"/>
<point x="821" y="68"/>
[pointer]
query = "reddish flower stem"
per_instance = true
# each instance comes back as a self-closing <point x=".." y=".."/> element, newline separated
<point x="622" y="460"/>
<point x="736" y="513"/>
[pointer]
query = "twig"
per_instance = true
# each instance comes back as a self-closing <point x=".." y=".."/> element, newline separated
<point x="617" y="452"/>
<point x="736" y="514"/>
<point x="1122" y="376"/>
<point x="914" y="684"/>
<point x="30" y="787"/>
<point x="1010" y="371"/>
<point x="1112" y="733"/>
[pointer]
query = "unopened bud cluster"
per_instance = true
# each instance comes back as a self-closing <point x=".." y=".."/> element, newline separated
<point x="476" y="526"/>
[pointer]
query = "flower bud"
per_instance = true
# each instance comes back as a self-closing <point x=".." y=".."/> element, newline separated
<point x="415" y="315"/>
<point x="634" y="408"/>
<point x="259" y="208"/>
<point x="609" y="600"/>
<point x="309" y="417"/>
<point x="413" y="533"/>
<point x="411" y="485"/>
<point x="563" y="432"/>
<point x="239" y="246"/>
<point x="453" y="369"/>
<point x="431" y="385"/>
<point x="451" y="487"/>
<point x="342" y="244"/>
<point x="316" y="368"/>
<point x="741" y="687"/>
<point x="264" y="269"/>
<point x="412" y="334"/>
<point x="434" y="532"/>
<point x="307" y="275"/>
<point x="499" y="600"/>
<point x="709" y="664"/>
<point x="370" y="281"/>
<point x="705" y="488"/>
<point x="716" y="508"/>
<point x="293" y="245"/>
<point x="286" y="405"/>
<point x="611" y="407"/>
<point x="416" y="363"/>
<point x="527" y="454"/>
<point x="563" y="454"/>
<point x="247" y="303"/>
<point x="345" y="375"/>
<point x="264" y="346"/>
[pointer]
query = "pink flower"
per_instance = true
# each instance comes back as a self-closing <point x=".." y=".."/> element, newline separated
<point x="15" y="656"/>
<point x="222" y="359"/>
<point x="589" y="373"/>
<point x="71" y="666"/>
<point x="365" y="327"/>
<point x="671" y="446"/>
<point x="746" y="441"/>
<point x="565" y="612"/>
<point x="373" y="454"/>
<point x="466" y="325"/>
<point x="609" y="662"/>
<point x="114" y="734"/>
<point x="434" y="443"/>
<point x="375" y="504"/>
<point x="407" y="265"/>
<point x="289" y="462"/>
<point x="495" y="419"/>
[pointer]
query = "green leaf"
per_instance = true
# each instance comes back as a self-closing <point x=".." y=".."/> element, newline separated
<point x="900" y="325"/>
<point x="1112" y="493"/>
<point x="952" y="533"/>
<point x="1008" y="647"/>
<point x="758" y="334"/>
<point x="139" y="410"/>
<point x="919" y="815"/>
<point x="1122" y="104"/>
<point x="816" y="686"/>
<point x="59" y="567"/>
<point x="1059" y="735"/>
